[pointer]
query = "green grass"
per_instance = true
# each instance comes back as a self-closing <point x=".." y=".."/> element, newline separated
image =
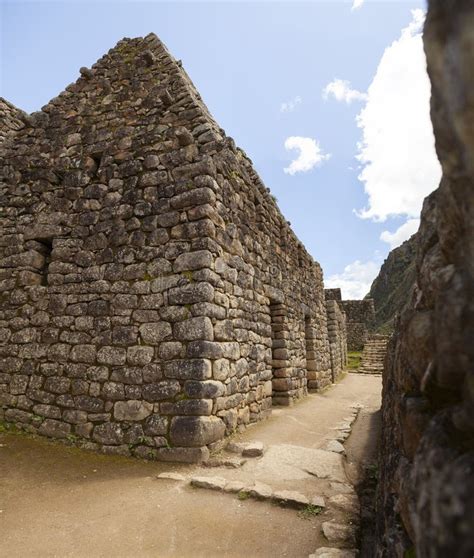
<point x="6" y="427"/>
<point x="353" y="359"/>
<point x="242" y="495"/>
<point x="310" y="511"/>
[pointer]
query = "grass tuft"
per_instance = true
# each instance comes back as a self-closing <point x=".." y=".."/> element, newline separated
<point x="310" y="511"/>
<point x="353" y="359"/>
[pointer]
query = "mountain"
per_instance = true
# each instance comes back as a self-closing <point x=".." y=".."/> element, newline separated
<point x="393" y="285"/>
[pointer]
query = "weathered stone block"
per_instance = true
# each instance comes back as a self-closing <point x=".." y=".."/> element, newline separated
<point x="192" y="261"/>
<point x="197" y="196"/>
<point x="170" y="349"/>
<point x="205" y="390"/>
<point x="154" y="333"/>
<point x="125" y="335"/>
<point x="204" y="349"/>
<point x="191" y="294"/>
<point x="54" y="429"/>
<point x="57" y="385"/>
<point x="89" y="404"/>
<point x="194" y="329"/>
<point x="113" y="391"/>
<point x="74" y="417"/>
<point x="139" y="355"/>
<point x="187" y="407"/>
<point x="196" y="369"/>
<point x="132" y="410"/>
<point x="18" y="384"/>
<point x="156" y="425"/>
<point x="49" y="411"/>
<point x="196" y="431"/>
<point x="111" y="355"/>
<point x="160" y="391"/>
<point x="221" y="369"/>
<point x="108" y="433"/>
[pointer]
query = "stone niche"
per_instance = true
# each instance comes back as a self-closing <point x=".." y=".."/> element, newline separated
<point x="154" y="298"/>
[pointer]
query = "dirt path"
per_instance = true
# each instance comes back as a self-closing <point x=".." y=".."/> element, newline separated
<point x="64" y="502"/>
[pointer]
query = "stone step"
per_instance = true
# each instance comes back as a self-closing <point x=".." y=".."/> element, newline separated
<point x="373" y="355"/>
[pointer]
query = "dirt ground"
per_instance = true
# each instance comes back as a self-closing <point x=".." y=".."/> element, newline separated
<point x="58" y="501"/>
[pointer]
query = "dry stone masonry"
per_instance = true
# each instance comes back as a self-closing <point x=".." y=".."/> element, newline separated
<point x="337" y="333"/>
<point x="360" y="315"/>
<point x="426" y="487"/>
<point x="11" y="119"/>
<point x="360" y="321"/>
<point x="153" y="297"/>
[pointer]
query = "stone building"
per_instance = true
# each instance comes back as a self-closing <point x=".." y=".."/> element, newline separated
<point x="154" y="298"/>
<point x="360" y="317"/>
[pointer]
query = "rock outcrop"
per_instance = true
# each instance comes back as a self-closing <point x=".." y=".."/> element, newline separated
<point x="393" y="285"/>
<point x="426" y="487"/>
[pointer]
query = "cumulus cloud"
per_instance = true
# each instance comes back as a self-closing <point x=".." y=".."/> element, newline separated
<point x="310" y="154"/>
<point x="399" y="163"/>
<point x="341" y="90"/>
<point x="355" y="280"/>
<point x="357" y="4"/>
<point x="290" y="106"/>
<point x="401" y="234"/>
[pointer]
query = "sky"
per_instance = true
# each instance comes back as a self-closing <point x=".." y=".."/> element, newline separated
<point x="330" y="100"/>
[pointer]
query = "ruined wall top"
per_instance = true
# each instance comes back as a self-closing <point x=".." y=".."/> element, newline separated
<point x="11" y="119"/>
<point x="333" y="294"/>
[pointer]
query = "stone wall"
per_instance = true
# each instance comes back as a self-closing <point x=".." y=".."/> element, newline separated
<point x="11" y="119"/>
<point x="153" y="296"/>
<point x="360" y="316"/>
<point x="426" y="486"/>
<point x="333" y="294"/>
<point x="337" y="337"/>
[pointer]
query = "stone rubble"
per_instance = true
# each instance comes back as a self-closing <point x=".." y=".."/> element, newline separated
<point x="171" y="476"/>
<point x="328" y="552"/>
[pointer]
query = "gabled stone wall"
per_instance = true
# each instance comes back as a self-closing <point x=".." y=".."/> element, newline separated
<point x="11" y="119"/>
<point x="153" y="297"/>
<point x="360" y="316"/>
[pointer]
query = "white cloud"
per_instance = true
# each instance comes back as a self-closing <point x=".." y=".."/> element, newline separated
<point x="399" y="163"/>
<point x="357" y="4"/>
<point x="290" y="106"/>
<point x="355" y="280"/>
<point x="401" y="234"/>
<point x="341" y="90"/>
<point x="310" y="154"/>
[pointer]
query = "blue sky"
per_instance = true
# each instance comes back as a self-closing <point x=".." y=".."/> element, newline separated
<point x="248" y="59"/>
